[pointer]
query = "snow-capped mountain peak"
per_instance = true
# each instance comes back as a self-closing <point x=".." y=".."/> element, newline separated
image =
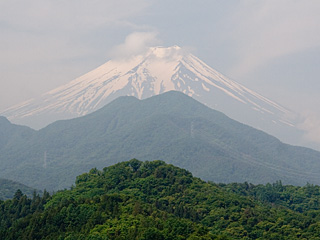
<point x="157" y="70"/>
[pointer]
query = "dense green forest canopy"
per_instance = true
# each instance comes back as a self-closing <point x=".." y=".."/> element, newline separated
<point x="155" y="200"/>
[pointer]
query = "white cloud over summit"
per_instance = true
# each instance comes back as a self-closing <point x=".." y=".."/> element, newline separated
<point x="135" y="43"/>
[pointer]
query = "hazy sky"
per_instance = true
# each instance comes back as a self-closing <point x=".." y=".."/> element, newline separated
<point x="270" y="46"/>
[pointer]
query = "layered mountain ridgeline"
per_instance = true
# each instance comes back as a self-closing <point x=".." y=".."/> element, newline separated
<point x="154" y="200"/>
<point x="156" y="71"/>
<point x="12" y="135"/>
<point x="171" y="127"/>
<point x="8" y="189"/>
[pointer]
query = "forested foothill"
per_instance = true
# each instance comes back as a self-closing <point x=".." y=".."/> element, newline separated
<point x="155" y="200"/>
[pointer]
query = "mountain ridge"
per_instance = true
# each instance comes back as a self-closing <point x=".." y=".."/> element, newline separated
<point x="156" y="71"/>
<point x="9" y="187"/>
<point x="187" y="133"/>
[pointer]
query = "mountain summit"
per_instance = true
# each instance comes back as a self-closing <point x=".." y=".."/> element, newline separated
<point x="170" y="126"/>
<point x="156" y="71"/>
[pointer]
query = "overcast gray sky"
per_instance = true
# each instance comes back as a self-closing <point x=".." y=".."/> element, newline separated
<point x="270" y="46"/>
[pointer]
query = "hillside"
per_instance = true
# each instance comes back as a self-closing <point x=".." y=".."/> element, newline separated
<point x="12" y="135"/>
<point x="8" y="189"/>
<point x="156" y="71"/>
<point x="154" y="200"/>
<point x="171" y="127"/>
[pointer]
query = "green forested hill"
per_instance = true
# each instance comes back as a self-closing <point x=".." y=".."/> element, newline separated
<point x="171" y="127"/>
<point x="8" y="188"/>
<point x="154" y="200"/>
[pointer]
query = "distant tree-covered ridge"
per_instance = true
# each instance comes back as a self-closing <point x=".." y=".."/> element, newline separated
<point x="9" y="187"/>
<point x="172" y="127"/>
<point x="155" y="200"/>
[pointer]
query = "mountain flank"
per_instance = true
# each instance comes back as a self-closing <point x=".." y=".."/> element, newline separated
<point x="172" y="127"/>
<point x="151" y="73"/>
<point x="8" y="189"/>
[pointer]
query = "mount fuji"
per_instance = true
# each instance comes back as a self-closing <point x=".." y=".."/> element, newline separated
<point x="157" y="70"/>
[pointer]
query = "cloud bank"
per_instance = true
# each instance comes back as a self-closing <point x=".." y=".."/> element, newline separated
<point x="265" y="30"/>
<point x="311" y="127"/>
<point x="135" y="43"/>
<point x="45" y="43"/>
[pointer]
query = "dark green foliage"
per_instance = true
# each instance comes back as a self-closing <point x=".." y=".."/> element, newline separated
<point x="300" y="199"/>
<point x="171" y="126"/>
<point x="154" y="200"/>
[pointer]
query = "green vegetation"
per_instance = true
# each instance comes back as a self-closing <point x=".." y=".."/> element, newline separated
<point x="8" y="188"/>
<point x="300" y="199"/>
<point x="171" y="127"/>
<point x="154" y="200"/>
